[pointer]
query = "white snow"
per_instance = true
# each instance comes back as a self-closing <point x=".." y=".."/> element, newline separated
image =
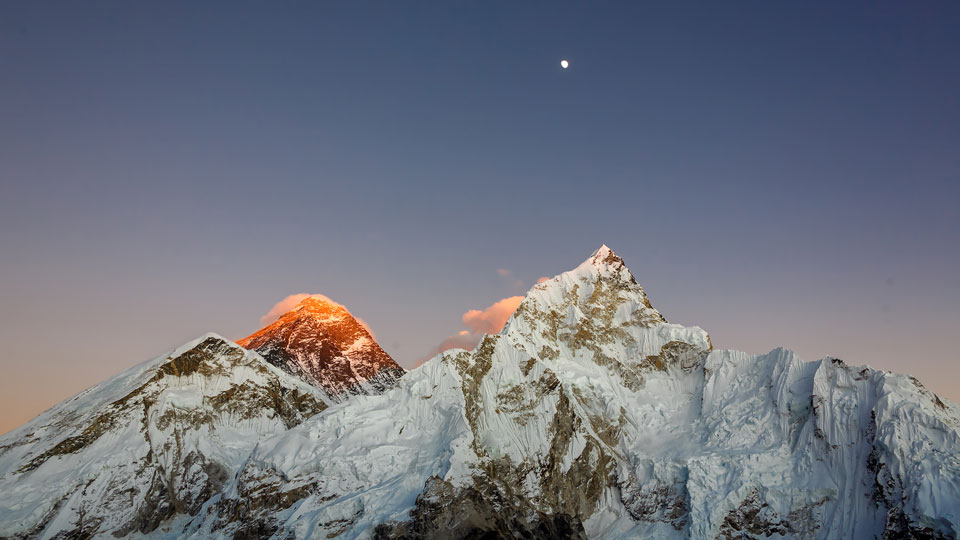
<point x="810" y="441"/>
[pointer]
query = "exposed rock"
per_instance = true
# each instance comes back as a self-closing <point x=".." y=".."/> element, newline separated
<point x="444" y="512"/>
<point x="155" y="443"/>
<point x="323" y="344"/>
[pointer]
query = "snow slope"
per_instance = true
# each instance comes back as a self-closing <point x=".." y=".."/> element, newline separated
<point x="148" y="445"/>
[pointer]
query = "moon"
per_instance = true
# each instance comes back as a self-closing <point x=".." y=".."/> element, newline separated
<point x="564" y="64"/>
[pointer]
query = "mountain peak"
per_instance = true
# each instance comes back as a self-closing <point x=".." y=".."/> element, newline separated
<point x="321" y="342"/>
<point x="318" y="300"/>
<point x="598" y="300"/>
<point x="604" y="257"/>
<point x="604" y="250"/>
<point x="318" y="304"/>
<point x="605" y="263"/>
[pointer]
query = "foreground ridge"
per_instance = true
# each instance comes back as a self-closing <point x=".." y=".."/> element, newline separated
<point x="587" y="416"/>
<point x="147" y="447"/>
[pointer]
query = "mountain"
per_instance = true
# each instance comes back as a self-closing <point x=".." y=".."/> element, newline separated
<point x="587" y="416"/>
<point x="590" y="416"/>
<point x="147" y="448"/>
<point x="323" y="344"/>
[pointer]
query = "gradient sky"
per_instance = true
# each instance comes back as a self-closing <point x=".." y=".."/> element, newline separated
<point x="778" y="174"/>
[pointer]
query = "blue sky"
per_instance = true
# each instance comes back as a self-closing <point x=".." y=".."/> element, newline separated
<point x="778" y="174"/>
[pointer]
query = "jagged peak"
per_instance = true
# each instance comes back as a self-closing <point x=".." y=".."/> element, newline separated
<point x="604" y="253"/>
<point x="602" y="264"/>
<point x="601" y="282"/>
<point x="606" y="263"/>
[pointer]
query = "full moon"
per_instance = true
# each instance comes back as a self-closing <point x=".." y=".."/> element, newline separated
<point x="564" y="64"/>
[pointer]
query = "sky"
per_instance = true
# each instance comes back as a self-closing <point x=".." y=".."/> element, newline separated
<point x="779" y="174"/>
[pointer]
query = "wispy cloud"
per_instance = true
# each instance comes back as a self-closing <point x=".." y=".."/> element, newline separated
<point x="283" y="306"/>
<point x="508" y="275"/>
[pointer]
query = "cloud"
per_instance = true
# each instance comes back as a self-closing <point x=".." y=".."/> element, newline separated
<point x="508" y="275"/>
<point x="291" y="302"/>
<point x="463" y="339"/>
<point x="479" y="321"/>
<point x="491" y="319"/>
<point x="460" y="341"/>
<point x="283" y="306"/>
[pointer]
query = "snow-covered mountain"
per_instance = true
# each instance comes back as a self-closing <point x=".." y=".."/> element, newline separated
<point x="587" y="416"/>
<point x="146" y="449"/>
<point x="323" y="344"/>
<point x="591" y="416"/>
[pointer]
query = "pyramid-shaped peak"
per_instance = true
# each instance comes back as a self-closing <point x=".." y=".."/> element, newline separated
<point x="605" y="256"/>
<point x="603" y="271"/>
<point x="603" y="249"/>
<point x="605" y="263"/>
<point x="319" y="303"/>
<point x="316" y="311"/>
<point x="320" y="341"/>
<point x="598" y="300"/>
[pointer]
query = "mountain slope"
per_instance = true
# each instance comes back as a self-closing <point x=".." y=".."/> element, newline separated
<point x="323" y="344"/>
<point x="148" y="446"/>
<point x="591" y="416"/>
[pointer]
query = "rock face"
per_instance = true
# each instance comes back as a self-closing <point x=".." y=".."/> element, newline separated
<point x="323" y="344"/>
<point x="587" y="416"/>
<point x="148" y="448"/>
